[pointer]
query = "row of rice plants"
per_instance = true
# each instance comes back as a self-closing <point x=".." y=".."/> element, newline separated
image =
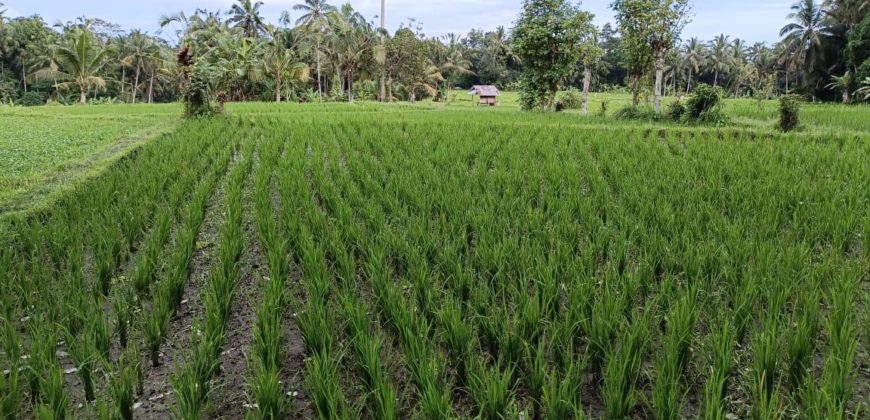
<point x="104" y="220"/>
<point x="266" y="392"/>
<point x="674" y="245"/>
<point x="192" y="382"/>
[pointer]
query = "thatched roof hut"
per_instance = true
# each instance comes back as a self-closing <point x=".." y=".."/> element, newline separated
<point x="487" y="93"/>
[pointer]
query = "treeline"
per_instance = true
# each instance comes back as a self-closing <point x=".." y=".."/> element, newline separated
<point x="321" y="52"/>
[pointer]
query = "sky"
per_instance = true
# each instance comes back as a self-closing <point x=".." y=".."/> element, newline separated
<point x="751" y="20"/>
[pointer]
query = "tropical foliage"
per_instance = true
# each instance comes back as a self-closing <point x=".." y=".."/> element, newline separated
<point x="321" y="51"/>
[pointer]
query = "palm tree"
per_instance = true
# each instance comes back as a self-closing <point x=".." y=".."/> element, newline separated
<point x="452" y="65"/>
<point x="246" y="15"/>
<point x="694" y="54"/>
<point x="865" y="89"/>
<point x="315" y="19"/>
<point x="352" y="40"/>
<point x="803" y="35"/>
<point x="141" y="48"/>
<point x="843" y="84"/>
<point x="738" y="64"/>
<point x="78" y="62"/>
<point x="282" y="64"/>
<point x="719" y="59"/>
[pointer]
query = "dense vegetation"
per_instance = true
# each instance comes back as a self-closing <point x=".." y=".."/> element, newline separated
<point x="319" y="51"/>
<point x="395" y="262"/>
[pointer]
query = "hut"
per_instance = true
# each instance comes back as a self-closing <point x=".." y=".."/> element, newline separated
<point x="487" y="93"/>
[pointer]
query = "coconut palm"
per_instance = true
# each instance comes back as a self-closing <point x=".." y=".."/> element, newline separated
<point x="694" y="57"/>
<point x="78" y="61"/>
<point x="282" y="64"/>
<point x="804" y="34"/>
<point x="315" y="18"/>
<point x="843" y="84"/>
<point x="740" y="70"/>
<point x="141" y="48"/>
<point x="865" y="89"/>
<point x="454" y="64"/>
<point x="352" y="40"/>
<point x="245" y="14"/>
<point x="719" y="58"/>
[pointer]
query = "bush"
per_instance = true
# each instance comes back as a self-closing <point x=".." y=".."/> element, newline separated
<point x="570" y="99"/>
<point x="32" y="99"/>
<point x="637" y="113"/>
<point x="602" y="111"/>
<point x="705" y="105"/>
<point x="676" y="110"/>
<point x="789" y="112"/>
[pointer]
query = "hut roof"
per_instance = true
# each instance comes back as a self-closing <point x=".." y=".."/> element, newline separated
<point x="484" y="90"/>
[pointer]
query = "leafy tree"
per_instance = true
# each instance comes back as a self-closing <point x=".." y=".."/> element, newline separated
<point x="590" y="56"/>
<point x="546" y="40"/>
<point x="650" y="28"/>
<point x="78" y="61"/>
<point x="407" y="63"/>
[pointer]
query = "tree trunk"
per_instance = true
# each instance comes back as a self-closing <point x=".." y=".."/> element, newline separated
<point x="635" y="95"/>
<point x="277" y="89"/>
<point x="389" y="89"/>
<point x="350" y="86"/>
<point x="83" y="99"/>
<point x="660" y="69"/>
<point x="689" y="81"/>
<point x="319" y="85"/>
<point x="24" y="77"/>
<point x="786" y="80"/>
<point x="587" y="80"/>
<point x="151" y="89"/>
<point x="716" y="78"/>
<point x="123" y="78"/>
<point x="846" y="98"/>
<point x="136" y="82"/>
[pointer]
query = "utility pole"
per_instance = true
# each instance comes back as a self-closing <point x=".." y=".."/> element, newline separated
<point x="384" y="66"/>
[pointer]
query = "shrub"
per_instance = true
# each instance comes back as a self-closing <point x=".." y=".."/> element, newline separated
<point x="602" y="111"/>
<point x="676" y="110"/>
<point x="789" y="112"/>
<point x="32" y="99"/>
<point x="637" y="113"/>
<point x="570" y="99"/>
<point x="705" y="105"/>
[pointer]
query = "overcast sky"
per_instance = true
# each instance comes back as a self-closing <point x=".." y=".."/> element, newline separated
<point x="752" y="20"/>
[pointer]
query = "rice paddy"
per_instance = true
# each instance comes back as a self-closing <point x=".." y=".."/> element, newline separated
<point x="390" y="262"/>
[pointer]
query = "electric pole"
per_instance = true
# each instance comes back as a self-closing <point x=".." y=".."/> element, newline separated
<point x="384" y="66"/>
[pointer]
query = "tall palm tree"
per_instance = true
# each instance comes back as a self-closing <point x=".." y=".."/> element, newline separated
<point x="141" y="48"/>
<point x="804" y="34"/>
<point x="352" y="39"/>
<point x="719" y="58"/>
<point x="245" y="14"/>
<point x="694" y="55"/>
<point x="78" y="61"/>
<point x="314" y="18"/>
<point x="282" y="63"/>
<point x="738" y="64"/>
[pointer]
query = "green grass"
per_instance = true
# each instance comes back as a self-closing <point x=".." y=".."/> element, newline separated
<point x="440" y="261"/>
<point x="44" y="150"/>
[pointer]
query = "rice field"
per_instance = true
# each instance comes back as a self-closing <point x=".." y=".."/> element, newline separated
<point x="390" y="262"/>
